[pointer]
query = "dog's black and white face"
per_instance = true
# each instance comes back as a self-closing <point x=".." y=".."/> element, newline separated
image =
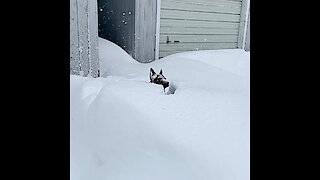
<point x="158" y="78"/>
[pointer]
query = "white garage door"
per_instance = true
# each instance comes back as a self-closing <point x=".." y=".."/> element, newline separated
<point x="189" y="25"/>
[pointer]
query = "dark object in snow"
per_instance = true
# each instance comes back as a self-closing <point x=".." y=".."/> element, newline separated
<point x="158" y="79"/>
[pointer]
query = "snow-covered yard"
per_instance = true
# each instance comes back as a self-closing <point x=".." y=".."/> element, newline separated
<point x="125" y="128"/>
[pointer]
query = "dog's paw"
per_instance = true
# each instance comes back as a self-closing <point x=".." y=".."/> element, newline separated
<point x="172" y="89"/>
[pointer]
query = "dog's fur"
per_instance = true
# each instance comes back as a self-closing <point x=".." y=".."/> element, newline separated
<point x="158" y="79"/>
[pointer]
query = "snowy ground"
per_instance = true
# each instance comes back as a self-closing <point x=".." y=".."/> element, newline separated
<point x="125" y="128"/>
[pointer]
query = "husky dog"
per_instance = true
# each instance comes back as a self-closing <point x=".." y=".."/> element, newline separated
<point x="158" y="79"/>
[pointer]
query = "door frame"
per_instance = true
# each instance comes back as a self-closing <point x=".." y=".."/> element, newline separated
<point x="157" y="50"/>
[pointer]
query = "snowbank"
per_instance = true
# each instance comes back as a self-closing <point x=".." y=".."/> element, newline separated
<point x="123" y="127"/>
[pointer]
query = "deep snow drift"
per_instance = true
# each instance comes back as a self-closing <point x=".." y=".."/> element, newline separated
<point x="123" y="127"/>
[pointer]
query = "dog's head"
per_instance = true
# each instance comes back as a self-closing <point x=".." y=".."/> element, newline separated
<point x="158" y="78"/>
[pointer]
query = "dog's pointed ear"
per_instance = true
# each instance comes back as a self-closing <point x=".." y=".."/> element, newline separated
<point x="152" y="72"/>
<point x="161" y="72"/>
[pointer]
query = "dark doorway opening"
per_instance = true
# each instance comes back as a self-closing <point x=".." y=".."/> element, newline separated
<point x="116" y="23"/>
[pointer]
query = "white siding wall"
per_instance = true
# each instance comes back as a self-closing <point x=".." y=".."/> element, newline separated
<point x="187" y="25"/>
<point x="84" y="58"/>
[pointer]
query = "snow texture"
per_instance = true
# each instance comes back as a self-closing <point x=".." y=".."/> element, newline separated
<point x="124" y="127"/>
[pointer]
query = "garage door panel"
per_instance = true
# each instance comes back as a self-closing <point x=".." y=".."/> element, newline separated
<point x="227" y="2"/>
<point x="195" y="46"/>
<point x="190" y="31"/>
<point x="196" y="24"/>
<point x="189" y="25"/>
<point x="198" y="38"/>
<point x="168" y="49"/>
<point x="200" y="16"/>
<point x="186" y="6"/>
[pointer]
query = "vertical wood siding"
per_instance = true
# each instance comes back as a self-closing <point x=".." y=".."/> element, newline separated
<point x="145" y="30"/>
<point x="84" y="58"/>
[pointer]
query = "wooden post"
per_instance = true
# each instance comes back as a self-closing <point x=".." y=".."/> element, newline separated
<point x="93" y="38"/>
<point x="74" y="53"/>
<point x="247" y="41"/>
<point x="158" y="30"/>
<point x="243" y="23"/>
<point x="84" y="57"/>
<point x="145" y="30"/>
